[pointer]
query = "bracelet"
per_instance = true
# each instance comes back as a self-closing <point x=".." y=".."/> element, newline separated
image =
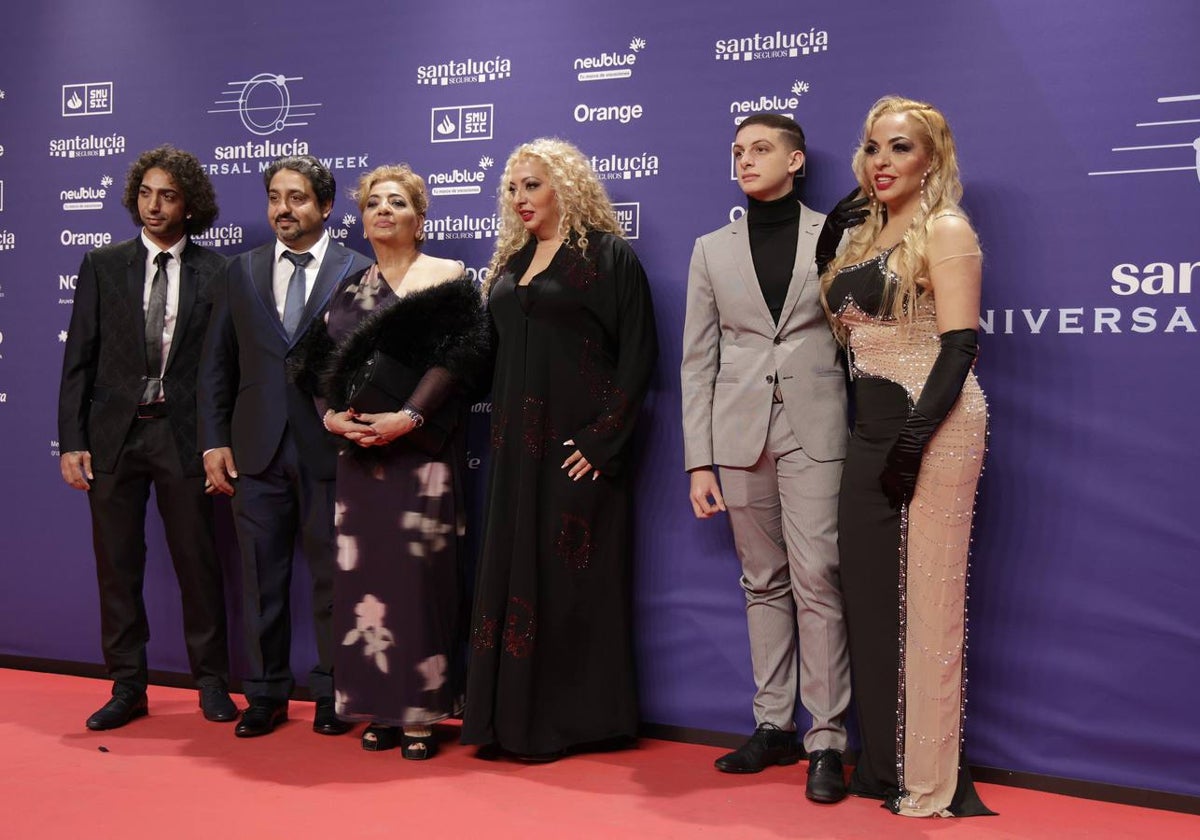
<point x="325" y="420"/>
<point x="415" y="416"/>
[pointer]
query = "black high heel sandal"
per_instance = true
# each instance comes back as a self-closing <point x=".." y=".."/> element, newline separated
<point x="416" y="748"/>
<point x="378" y="737"/>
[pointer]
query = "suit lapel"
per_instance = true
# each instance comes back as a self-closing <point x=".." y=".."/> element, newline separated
<point x="333" y="268"/>
<point x="262" y="274"/>
<point x="135" y="287"/>
<point x="740" y="246"/>
<point x="804" y="269"/>
<point x="187" y="298"/>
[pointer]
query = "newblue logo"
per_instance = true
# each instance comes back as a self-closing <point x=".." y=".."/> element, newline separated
<point x="774" y="103"/>
<point x="462" y="227"/>
<point x="88" y="145"/>
<point x="342" y="234"/>
<point x="629" y="216"/>
<point x="778" y="44"/>
<point x="460" y="122"/>
<point x="609" y="65"/>
<point x="264" y="103"/>
<point x="87" y="99"/>
<point x="460" y="181"/>
<point x="625" y="167"/>
<point x="86" y="198"/>
<point x="466" y="71"/>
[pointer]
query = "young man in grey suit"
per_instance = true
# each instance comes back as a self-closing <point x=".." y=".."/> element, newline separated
<point x="260" y="430"/>
<point x="127" y="420"/>
<point x="764" y="398"/>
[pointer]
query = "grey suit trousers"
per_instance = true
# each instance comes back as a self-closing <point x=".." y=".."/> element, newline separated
<point x="783" y="510"/>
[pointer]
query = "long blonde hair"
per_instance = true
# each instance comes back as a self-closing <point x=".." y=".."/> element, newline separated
<point x="583" y="204"/>
<point x="939" y="196"/>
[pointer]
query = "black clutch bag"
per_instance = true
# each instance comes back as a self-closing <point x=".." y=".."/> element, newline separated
<point x="383" y="384"/>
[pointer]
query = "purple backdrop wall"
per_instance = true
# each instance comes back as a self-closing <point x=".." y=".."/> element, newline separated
<point x="1077" y="126"/>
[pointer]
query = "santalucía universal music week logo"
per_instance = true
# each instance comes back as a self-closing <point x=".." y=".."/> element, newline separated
<point x="609" y="65"/>
<point x="460" y="181"/>
<point x="795" y="43"/>
<point x="465" y="71"/>
<point x="265" y="106"/>
<point x="1169" y="144"/>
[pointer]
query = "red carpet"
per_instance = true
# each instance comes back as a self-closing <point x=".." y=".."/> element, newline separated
<point x="175" y="775"/>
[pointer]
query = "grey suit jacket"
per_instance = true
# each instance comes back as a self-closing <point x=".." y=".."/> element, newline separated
<point x="733" y="351"/>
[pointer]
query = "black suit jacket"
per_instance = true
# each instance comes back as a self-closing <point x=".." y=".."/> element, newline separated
<point x="246" y="400"/>
<point x="105" y="357"/>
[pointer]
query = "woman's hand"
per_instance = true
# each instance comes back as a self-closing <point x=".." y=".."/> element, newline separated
<point x="382" y="429"/>
<point x="578" y="466"/>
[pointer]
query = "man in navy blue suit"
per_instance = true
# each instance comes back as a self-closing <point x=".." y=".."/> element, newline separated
<point x="263" y="440"/>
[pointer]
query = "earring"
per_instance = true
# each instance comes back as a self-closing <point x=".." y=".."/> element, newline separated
<point x="923" y="179"/>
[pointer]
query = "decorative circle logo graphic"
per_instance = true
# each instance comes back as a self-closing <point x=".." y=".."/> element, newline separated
<point x="1151" y="157"/>
<point x="264" y="104"/>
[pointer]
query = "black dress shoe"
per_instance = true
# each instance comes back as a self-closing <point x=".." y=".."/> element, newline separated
<point x="325" y="719"/>
<point x="261" y="718"/>
<point x="826" y="781"/>
<point x="768" y="746"/>
<point x="118" y="711"/>
<point x="216" y="704"/>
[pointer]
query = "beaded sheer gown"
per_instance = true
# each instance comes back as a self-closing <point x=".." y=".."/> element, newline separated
<point x="904" y="572"/>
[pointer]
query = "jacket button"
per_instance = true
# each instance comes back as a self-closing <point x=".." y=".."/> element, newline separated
<point x="770" y="378"/>
<point x="778" y="340"/>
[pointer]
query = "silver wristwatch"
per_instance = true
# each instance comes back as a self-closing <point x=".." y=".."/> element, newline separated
<point x="418" y="420"/>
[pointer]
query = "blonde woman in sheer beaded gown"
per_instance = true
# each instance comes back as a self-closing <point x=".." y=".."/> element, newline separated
<point x="904" y="298"/>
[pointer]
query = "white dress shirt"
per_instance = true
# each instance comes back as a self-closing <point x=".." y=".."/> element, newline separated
<point x="282" y="271"/>
<point x="173" y="271"/>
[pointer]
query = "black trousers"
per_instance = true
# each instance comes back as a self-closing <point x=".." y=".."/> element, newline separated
<point x="118" y="502"/>
<point x="271" y="509"/>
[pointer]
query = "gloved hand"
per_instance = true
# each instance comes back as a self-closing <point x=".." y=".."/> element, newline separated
<point x="847" y="213"/>
<point x="899" y="476"/>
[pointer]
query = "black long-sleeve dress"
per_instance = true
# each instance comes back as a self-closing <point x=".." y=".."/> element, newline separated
<point x="551" y="661"/>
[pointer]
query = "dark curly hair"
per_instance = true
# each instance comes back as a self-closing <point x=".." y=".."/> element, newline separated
<point x="188" y="175"/>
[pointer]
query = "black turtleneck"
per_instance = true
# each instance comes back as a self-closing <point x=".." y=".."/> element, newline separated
<point x="774" y="229"/>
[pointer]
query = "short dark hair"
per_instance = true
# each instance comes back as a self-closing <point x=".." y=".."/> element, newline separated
<point x="189" y="176"/>
<point x="792" y="132"/>
<point x="323" y="183"/>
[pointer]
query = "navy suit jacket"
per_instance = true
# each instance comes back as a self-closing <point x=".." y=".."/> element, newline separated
<point x="246" y="400"/>
<point x="105" y="358"/>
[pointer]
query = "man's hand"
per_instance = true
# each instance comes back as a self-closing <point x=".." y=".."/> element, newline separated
<point x="219" y="469"/>
<point x="76" y="469"/>
<point x="706" y="493"/>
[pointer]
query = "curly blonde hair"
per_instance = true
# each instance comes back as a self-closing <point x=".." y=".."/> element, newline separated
<point x="583" y="204"/>
<point x="939" y="197"/>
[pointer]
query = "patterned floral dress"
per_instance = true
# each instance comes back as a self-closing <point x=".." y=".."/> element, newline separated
<point x="397" y="587"/>
<point x="551" y="662"/>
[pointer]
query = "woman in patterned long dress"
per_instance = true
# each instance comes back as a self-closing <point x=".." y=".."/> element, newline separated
<point x="551" y="665"/>
<point x="398" y="588"/>
<point x="904" y="295"/>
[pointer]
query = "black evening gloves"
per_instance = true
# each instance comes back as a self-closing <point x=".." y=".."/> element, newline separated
<point x="846" y="214"/>
<point x="946" y="378"/>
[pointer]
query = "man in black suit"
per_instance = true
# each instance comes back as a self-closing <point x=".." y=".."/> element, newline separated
<point x="261" y="431"/>
<point x="127" y="420"/>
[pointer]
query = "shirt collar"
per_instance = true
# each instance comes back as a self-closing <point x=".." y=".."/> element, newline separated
<point x="317" y="250"/>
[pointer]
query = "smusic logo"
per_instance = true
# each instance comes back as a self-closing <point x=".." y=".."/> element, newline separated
<point x="461" y="122"/>
<point x="629" y="216"/>
<point x="776" y="44"/>
<point x="460" y="181"/>
<point x="466" y="71"/>
<point x="264" y="104"/>
<point x="87" y="99"/>
<point x="610" y="65"/>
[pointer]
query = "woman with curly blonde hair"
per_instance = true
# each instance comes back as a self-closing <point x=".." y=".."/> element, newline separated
<point x="904" y="298"/>
<point x="551" y="666"/>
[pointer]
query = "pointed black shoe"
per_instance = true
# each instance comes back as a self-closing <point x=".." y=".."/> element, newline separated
<point x="118" y="711"/>
<point x="768" y="746"/>
<point x="826" y="781"/>
<point x="261" y="718"/>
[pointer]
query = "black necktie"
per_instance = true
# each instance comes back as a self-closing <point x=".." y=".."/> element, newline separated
<point x="293" y="304"/>
<point x="156" y="313"/>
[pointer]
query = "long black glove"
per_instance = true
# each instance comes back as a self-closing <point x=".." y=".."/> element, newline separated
<point x="945" y="382"/>
<point x="846" y="214"/>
